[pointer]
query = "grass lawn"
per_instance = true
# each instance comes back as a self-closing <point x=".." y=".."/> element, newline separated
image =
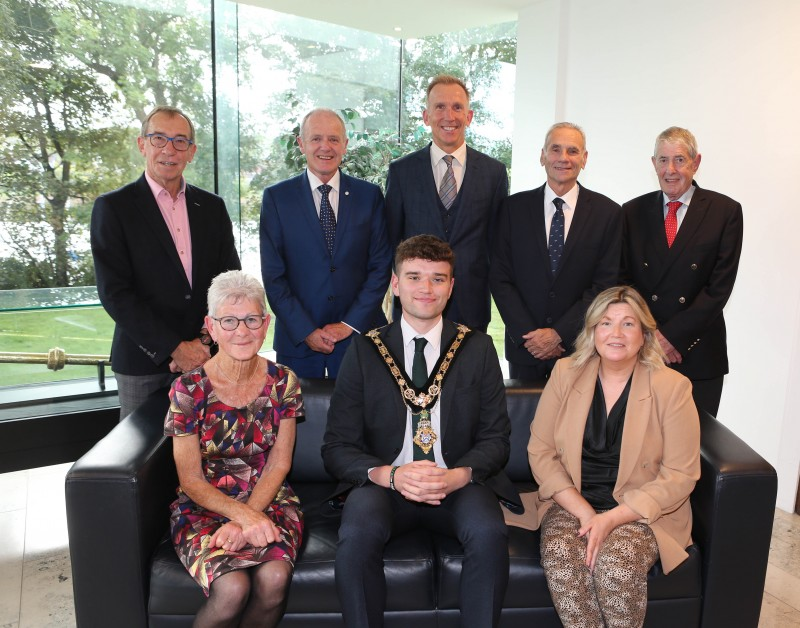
<point x="88" y="330"/>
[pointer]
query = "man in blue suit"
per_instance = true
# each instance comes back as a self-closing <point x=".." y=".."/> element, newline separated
<point x="454" y="192"/>
<point x="325" y="256"/>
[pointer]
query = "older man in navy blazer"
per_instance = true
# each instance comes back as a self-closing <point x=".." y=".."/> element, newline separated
<point x="557" y="247"/>
<point x="454" y="192"/>
<point x="325" y="256"/>
<point x="681" y="250"/>
<point x="157" y="244"/>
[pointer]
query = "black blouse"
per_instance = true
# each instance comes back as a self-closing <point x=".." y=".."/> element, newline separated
<point x="602" y="440"/>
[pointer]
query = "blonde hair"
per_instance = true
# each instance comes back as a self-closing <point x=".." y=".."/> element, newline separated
<point x="651" y="354"/>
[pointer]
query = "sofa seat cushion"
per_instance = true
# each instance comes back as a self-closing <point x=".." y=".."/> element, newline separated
<point x="527" y="585"/>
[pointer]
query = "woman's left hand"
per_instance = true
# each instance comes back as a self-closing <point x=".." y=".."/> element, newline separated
<point x="596" y="530"/>
<point x="229" y="537"/>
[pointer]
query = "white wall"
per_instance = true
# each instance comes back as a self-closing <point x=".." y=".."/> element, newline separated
<point x="728" y="70"/>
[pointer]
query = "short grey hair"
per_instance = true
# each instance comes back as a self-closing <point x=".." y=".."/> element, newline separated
<point x="171" y="112"/>
<point x="324" y="110"/>
<point x="235" y="286"/>
<point x="677" y="135"/>
<point x="564" y="125"/>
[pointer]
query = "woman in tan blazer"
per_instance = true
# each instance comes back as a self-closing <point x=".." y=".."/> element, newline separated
<point x="615" y="449"/>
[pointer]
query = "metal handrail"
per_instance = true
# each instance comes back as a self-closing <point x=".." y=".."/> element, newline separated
<point x="57" y="358"/>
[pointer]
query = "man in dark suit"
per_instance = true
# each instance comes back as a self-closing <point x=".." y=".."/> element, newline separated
<point x="556" y="248"/>
<point x="157" y="244"/>
<point x="434" y="460"/>
<point x="457" y="202"/>
<point x="681" y="250"/>
<point x="325" y="256"/>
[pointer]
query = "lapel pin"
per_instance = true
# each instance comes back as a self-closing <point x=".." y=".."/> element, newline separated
<point x="347" y="193"/>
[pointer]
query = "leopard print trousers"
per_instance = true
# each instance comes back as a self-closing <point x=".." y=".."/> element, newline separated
<point x="615" y="595"/>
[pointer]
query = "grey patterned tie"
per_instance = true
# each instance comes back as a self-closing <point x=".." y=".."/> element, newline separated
<point x="447" y="188"/>
<point x="555" y="244"/>
<point x="326" y="217"/>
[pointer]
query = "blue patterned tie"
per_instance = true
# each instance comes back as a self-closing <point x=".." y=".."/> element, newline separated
<point x="555" y="244"/>
<point x="326" y="217"/>
<point x="447" y="188"/>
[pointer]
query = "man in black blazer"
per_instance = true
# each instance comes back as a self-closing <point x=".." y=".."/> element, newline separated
<point x="555" y="249"/>
<point x="457" y="203"/>
<point x="681" y="249"/>
<point x="157" y="244"/>
<point x="435" y="463"/>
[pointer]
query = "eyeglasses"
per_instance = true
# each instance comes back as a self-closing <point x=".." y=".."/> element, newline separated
<point x="160" y="141"/>
<point x="231" y="323"/>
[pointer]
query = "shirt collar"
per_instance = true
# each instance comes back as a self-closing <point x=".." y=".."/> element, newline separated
<point x="314" y="181"/>
<point x="684" y="198"/>
<point x="157" y="188"/>
<point x="570" y="198"/>
<point x="434" y="335"/>
<point x="459" y="153"/>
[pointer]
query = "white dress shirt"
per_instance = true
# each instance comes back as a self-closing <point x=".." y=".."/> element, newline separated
<point x="333" y="195"/>
<point x="440" y="167"/>
<point x="685" y="198"/>
<point x="570" y="201"/>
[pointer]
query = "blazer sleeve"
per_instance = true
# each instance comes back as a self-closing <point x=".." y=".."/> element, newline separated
<point x="687" y="325"/>
<point x="344" y="446"/>
<point x="544" y="456"/>
<point x="502" y="281"/>
<point x="679" y="462"/>
<point x="606" y="275"/>
<point x="282" y="300"/>
<point x="394" y="206"/>
<point x="491" y="442"/>
<point x="116" y="285"/>
<point x="360" y="314"/>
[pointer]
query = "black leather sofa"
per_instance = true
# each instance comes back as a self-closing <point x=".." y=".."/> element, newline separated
<point x="126" y="574"/>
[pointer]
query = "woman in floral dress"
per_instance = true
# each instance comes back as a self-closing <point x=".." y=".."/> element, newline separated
<point x="236" y="524"/>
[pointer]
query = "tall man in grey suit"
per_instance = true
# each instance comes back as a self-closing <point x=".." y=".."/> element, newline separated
<point x="556" y="248"/>
<point x="325" y="256"/>
<point x="452" y="191"/>
<point x="157" y="244"/>
<point x="681" y="250"/>
<point x="433" y="459"/>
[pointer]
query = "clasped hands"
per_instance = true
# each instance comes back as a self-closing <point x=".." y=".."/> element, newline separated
<point x="544" y="343"/>
<point x="673" y="355"/>
<point x="424" y="482"/>
<point x="255" y="529"/>
<point x="324" y="340"/>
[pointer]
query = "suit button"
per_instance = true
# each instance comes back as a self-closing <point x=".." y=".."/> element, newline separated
<point x="693" y="266"/>
<point x="548" y="320"/>
<point x="645" y="264"/>
<point x="654" y="297"/>
<point x="187" y="297"/>
<point x="331" y="298"/>
<point x="552" y="295"/>
<point x="333" y="269"/>
<point x="682" y="300"/>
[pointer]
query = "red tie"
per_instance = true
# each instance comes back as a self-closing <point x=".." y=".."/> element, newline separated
<point x="671" y="221"/>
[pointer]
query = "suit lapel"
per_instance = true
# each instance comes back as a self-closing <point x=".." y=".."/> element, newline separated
<point x="538" y="231"/>
<point x="451" y="381"/>
<point x="637" y="415"/>
<point x="580" y="218"/>
<point x="148" y="209"/>
<point x="197" y="227"/>
<point x="393" y="339"/>
<point x="345" y="210"/>
<point x="695" y="214"/>
<point x="578" y="406"/>
<point x="305" y="205"/>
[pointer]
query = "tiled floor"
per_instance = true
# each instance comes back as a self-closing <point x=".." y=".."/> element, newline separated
<point x="36" y="581"/>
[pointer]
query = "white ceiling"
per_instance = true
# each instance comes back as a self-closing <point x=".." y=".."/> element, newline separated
<point x="415" y="18"/>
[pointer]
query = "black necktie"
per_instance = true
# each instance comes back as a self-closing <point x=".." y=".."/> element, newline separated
<point x="326" y="217"/>
<point x="555" y="244"/>
<point x="419" y="375"/>
<point x="419" y="368"/>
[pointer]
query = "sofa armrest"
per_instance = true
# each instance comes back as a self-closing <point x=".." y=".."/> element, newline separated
<point x="117" y="498"/>
<point x="733" y="506"/>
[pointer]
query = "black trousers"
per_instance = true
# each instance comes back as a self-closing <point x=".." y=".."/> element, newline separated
<point x="373" y="514"/>
<point x="707" y="394"/>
